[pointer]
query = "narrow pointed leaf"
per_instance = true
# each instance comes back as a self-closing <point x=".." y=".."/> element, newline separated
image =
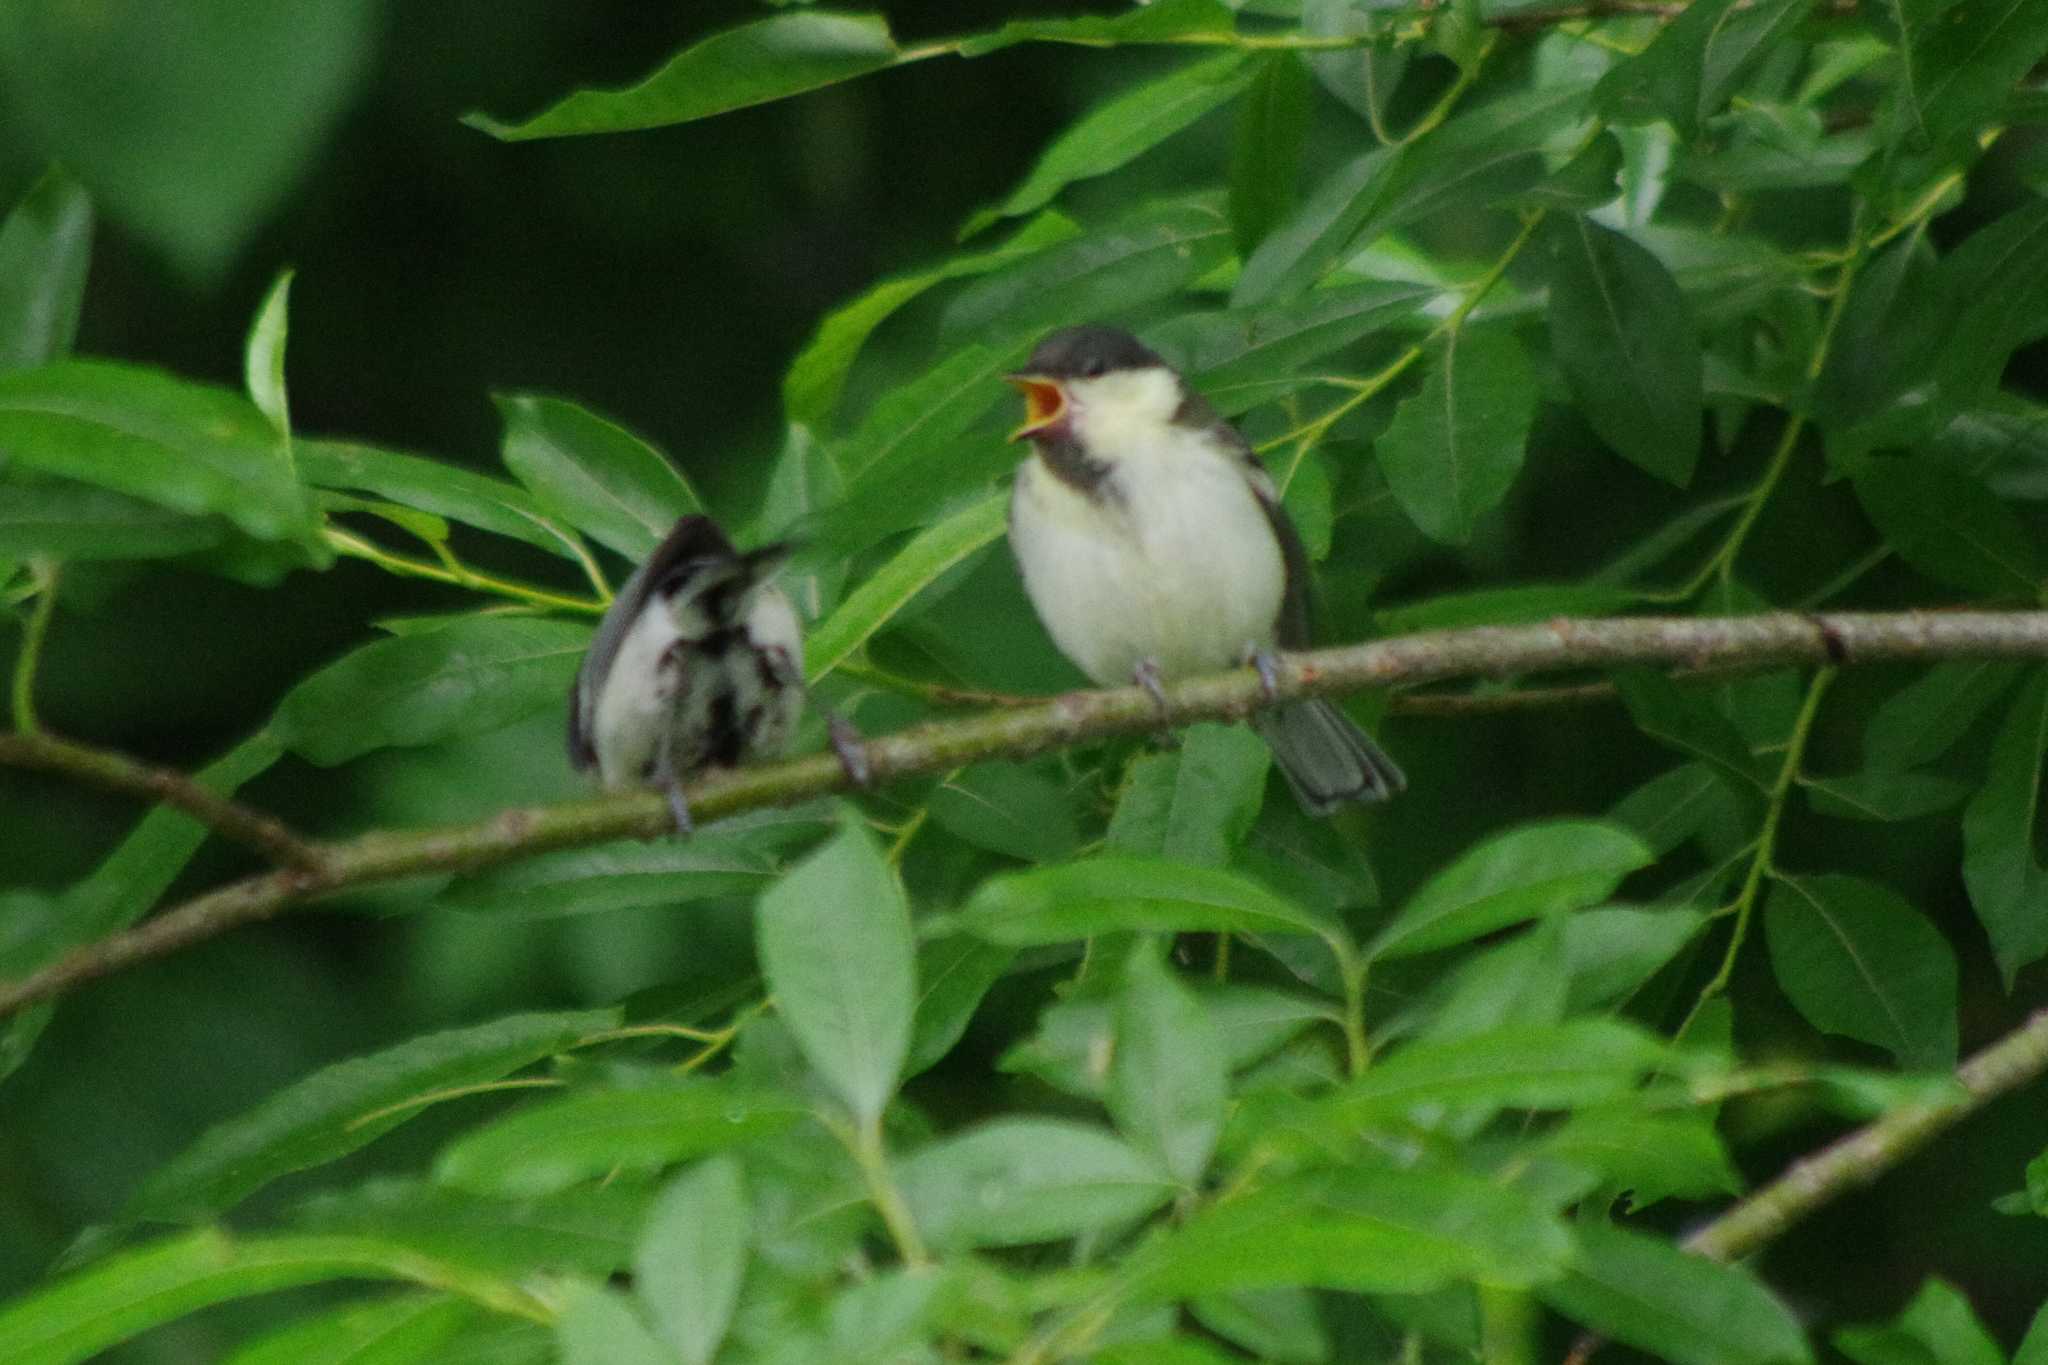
<point x="598" y="1326"/>
<point x="835" y="945"/>
<point x="1266" y="153"/>
<point x="2007" y="884"/>
<point x="593" y="473"/>
<point x="1163" y="21"/>
<point x="45" y="245"/>
<point x="263" y="356"/>
<point x="1015" y="1181"/>
<point x="1196" y="803"/>
<point x="1167" y="1085"/>
<point x="444" y="490"/>
<point x="891" y="587"/>
<point x="1949" y="526"/>
<point x="396" y="1331"/>
<point x="1454" y="448"/>
<point x="691" y="1256"/>
<point x="1857" y="960"/>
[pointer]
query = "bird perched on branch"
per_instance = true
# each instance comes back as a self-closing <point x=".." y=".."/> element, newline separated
<point x="698" y="663"/>
<point x="1153" y="544"/>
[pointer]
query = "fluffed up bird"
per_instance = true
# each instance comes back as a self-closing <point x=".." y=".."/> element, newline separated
<point x="698" y="663"/>
<point x="1153" y="545"/>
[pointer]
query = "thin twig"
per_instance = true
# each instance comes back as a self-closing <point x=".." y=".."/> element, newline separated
<point x="117" y="772"/>
<point x="1766" y="641"/>
<point x="44" y="575"/>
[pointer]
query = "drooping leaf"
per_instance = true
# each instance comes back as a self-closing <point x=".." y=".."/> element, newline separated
<point x="1687" y="74"/>
<point x="769" y="59"/>
<point x="594" y="474"/>
<point x="1266" y="154"/>
<point x="430" y="486"/>
<point x="263" y="356"/>
<point x="1535" y="870"/>
<point x="66" y="520"/>
<point x="1363" y="77"/>
<point x="1684" y="1308"/>
<point x="1364" y="1229"/>
<point x="343" y="1107"/>
<point x="810" y="391"/>
<point x="1163" y="21"/>
<point x="691" y="1255"/>
<point x="394" y="1331"/>
<point x="78" y="1316"/>
<point x="45" y="245"/>
<point x="1625" y="339"/>
<point x="1938" y="1328"/>
<point x="556" y="1143"/>
<point x="1881" y="795"/>
<point x="2007" y="884"/>
<point x="467" y="678"/>
<point x="1007" y="809"/>
<point x="1949" y="526"/>
<point x="1857" y="960"/>
<point x="182" y="445"/>
<point x="1455" y="448"/>
<point x="1120" y="130"/>
<point x="1013" y="1181"/>
<point x="1195" y="803"/>
<point x="1167" y="1084"/>
<point x="892" y="586"/>
<point x="835" y="946"/>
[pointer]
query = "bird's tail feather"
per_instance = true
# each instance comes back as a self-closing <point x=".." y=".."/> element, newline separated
<point x="1327" y="759"/>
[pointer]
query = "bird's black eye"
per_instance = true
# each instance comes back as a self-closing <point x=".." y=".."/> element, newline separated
<point x="1095" y="369"/>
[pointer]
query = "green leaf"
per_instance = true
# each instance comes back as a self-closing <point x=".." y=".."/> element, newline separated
<point x="1120" y="130"/>
<point x="588" y="1229"/>
<point x="1506" y="607"/>
<point x="1890" y="332"/>
<point x="1653" y="1156"/>
<point x="1362" y="77"/>
<point x="1881" y="795"/>
<point x="1689" y="722"/>
<point x="557" y="1143"/>
<point x="1590" y="179"/>
<point x="1922" y="721"/>
<point x="1688" y="72"/>
<point x="1163" y="21"/>
<point x="1167" y="1084"/>
<point x="594" y="474"/>
<point x="891" y="587"/>
<point x="1971" y="60"/>
<point x="709" y="865"/>
<point x="1936" y="1328"/>
<point x="811" y="389"/>
<point x="346" y="1106"/>
<point x="86" y="1312"/>
<point x="263" y="356"/>
<point x="397" y="1331"/>
<point x="1007" y="809"/>
<point x="1105" y="895"/>
<point x="1688" y="802"/>
<point x="1625" y="340"/>
<point x="691" y="1255"/>
<point x="1266" y="151"/>
<point x="1241" y="357"/>
<point x="598" y="1326"/>
<point x="1278" y="1325"/>
<point x="1361" y="1229"/>
<point x="45" y="246"/>
<point x="181" y="445"/>
<point x="67" y="520"/>
<point x="1644" y="1291"/>
<point x="1076" y="1039"/>
<point x="1196" y="803"/>
<point x="1476" y="158"/>
<point x="954" y="972"/>
<point x="2007" y="884"/>
<point x="1536" y="870"/>
<point x="1013" y="1181"/>
<point x="1558" y="1066"/>
<point x="1611" y="951"/>
<point x="470" y="677"/>
<point x="835" y="945"/>
<point x="2033" y="1348"/>
<point x="769" y="59"/>
<point x="1997" y="282"/>
<point x="1857" y="960"/>
<point x="1949" y="526"/>
<point x="430" y="486"/>
<point x="1454" y="448"/>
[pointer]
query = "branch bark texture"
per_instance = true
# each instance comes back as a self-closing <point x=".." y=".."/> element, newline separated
<point x="1564" y="644"/>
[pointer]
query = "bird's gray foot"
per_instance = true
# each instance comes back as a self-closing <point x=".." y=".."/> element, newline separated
<point x="1262" y="659"/>
<point x="847" y="746"/>
<point x="1146" y="675"/>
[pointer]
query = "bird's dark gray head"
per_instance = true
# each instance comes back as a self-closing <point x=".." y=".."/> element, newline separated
<point x="1089" y="351"/>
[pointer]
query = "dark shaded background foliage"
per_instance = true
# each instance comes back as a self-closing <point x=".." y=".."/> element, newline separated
<point x="665" y="279"/>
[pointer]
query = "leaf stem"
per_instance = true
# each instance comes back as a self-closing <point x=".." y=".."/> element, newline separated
<point x="460" y="575"/>
<point x="43" y="573"/>
<point x="866" y="1146"/>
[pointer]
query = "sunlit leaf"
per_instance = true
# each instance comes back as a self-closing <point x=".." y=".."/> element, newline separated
<point x="395" y="1331"/>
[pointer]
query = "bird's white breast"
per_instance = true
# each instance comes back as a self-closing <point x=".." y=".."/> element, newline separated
<point x="1171" y="559"/>
<point x="634" y="700"/>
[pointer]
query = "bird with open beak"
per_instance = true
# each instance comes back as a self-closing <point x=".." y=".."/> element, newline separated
<point x="1154" y="547"/>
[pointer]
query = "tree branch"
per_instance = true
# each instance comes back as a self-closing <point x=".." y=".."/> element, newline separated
<point x="1751" y="642"/>
<point x="1870" y="1151"/>
<point x="44" y="752"/>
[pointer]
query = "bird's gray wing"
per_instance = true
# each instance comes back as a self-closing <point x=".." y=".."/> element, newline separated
<point x="1295" y="627"/>
<point x="692" y="538"/>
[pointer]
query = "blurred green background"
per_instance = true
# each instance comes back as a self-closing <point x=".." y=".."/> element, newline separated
<point x="665" y="279"/>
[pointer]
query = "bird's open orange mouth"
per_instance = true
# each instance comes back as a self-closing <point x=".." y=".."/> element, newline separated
<point x="1045" y="403"/>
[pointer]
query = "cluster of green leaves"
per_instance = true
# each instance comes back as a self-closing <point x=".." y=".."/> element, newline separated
<point x="1699" y="273"/>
